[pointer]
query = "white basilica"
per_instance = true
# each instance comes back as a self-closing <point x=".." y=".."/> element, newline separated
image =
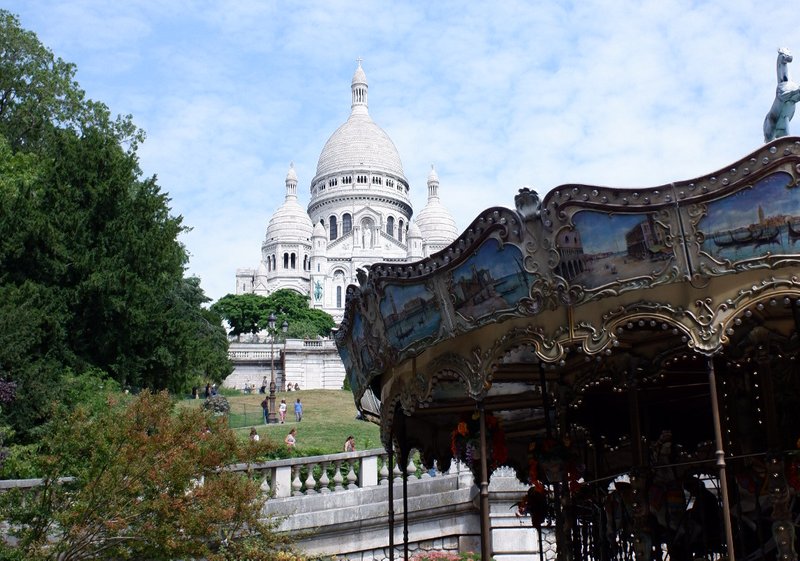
<point x="359" y="213"/>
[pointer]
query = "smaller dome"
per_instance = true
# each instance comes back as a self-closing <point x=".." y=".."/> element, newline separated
<point x="290" y="223"/>
<point x="319" y="231"/>
<point x="413" y="230"/>
<point x="435" y="221"/>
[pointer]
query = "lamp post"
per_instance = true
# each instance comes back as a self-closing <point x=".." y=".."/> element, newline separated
<point x="272" y="331"/>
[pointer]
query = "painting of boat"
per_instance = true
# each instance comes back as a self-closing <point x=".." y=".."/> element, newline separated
<point x="755" y="234"/>
<point x="492" y="279"/>
<point x="793" y="230"/>
<point x="751" y="222"/>
<point x="410" y="314"/>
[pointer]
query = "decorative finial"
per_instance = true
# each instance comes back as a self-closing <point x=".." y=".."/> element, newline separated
<point x="787" y="93"/>
<point x="359" y="60"/>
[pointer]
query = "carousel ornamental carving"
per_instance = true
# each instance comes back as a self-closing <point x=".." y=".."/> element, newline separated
<point x="787" y="93"/>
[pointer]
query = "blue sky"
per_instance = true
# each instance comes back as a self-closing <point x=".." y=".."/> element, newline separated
<point x="497" y="95"/>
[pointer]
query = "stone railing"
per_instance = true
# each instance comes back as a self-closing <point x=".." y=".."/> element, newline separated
<point x="327" y="474"/>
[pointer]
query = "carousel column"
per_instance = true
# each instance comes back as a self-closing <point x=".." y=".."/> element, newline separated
<point x="486" y="529"/>
<point x="390" y="460"/>
<point x="642" y="541"/>
<point x="782" y="523"/>
<point x="720" y="453"/>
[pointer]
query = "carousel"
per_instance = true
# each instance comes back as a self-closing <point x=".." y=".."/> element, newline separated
<point x="631" y="353"/>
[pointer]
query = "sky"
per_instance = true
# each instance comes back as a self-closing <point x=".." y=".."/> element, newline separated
<point x="497" y="95"/>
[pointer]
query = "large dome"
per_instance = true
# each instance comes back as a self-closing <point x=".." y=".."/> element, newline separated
<point x="358" y="144"/>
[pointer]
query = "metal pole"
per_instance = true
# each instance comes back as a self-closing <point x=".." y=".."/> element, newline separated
<point x="486" y="529"/>
<point x="391" y="493"/>
<point x="404" y="459"/>
<point x="723" y="479"/>
<point x="272" y="416"/>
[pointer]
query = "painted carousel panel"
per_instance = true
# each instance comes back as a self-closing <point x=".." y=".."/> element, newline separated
<point x="608" y="247"/>
<point x="753" y="222"/>
<point x="490" y="280"/>
<point x="410" y="314"/>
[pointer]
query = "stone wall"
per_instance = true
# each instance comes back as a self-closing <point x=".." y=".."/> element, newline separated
<point x="311" y="364"/>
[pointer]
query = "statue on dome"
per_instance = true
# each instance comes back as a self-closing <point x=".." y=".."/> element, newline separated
<point x="787" y="93"/>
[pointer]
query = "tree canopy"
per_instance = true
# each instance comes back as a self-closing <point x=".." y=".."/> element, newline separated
<point x="249" y="313"/>
<point x="141" y="480"/>
<point x="91" y="268"/>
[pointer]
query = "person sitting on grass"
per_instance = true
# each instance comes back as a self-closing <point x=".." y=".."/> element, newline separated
<point x="350" y="444"/>
<point x="254" y="435"/>
<point x="290" y="439"/>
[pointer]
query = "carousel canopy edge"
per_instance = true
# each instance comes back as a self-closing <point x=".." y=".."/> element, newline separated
<point x="578" y="245"/>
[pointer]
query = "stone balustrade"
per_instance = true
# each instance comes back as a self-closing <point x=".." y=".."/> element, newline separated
<point x="338" y="504"/>
<point x="327" y="474"/>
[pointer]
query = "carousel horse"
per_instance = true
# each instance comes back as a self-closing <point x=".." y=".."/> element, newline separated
<point x="787" y="93"/>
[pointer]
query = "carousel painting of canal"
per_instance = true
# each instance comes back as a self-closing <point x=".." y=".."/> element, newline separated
<point x="603" y="248"/>
<point x="410" y="314"/>
<point x="490" y="280"/>
<point x="752" y="222"/>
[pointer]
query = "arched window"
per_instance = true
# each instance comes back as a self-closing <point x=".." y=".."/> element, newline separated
<point x="338" y="280"/>
<point x="294" y="261"/>
<point x="333" y="231"/>
<point x="285" y="260"/>
<point x="400" y="230"/>
<point x="347" y="223"/>
<point x="390" y="226"/>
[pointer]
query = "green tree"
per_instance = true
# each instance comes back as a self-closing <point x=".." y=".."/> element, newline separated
<point x="91" y="269"/>
<point x="249" y="313"/>
<point x="245" y="313"/>
<point x="145" y="482"/>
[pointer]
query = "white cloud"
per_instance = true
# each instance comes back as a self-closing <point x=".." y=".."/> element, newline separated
<point x="497" y="95"/>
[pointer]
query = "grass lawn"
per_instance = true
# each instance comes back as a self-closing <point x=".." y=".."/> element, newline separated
<point x="329" y="417"/>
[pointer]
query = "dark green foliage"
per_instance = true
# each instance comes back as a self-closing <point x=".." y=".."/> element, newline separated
<point x="249" y="313"/>
<point x="91" y="269"/>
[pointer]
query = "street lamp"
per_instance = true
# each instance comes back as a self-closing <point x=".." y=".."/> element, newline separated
<point x="272" y="331"/>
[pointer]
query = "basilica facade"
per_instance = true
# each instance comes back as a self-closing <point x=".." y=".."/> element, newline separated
<point x="359" y="213"/>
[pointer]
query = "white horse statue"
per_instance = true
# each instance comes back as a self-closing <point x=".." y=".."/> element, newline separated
<point x="776" y="124"/>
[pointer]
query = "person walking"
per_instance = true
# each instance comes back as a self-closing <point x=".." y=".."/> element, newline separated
<point x="291" y="439"/>
<point x="282" y="410"/>
<point x="298" y="410"/>
<point x="265" y="409"/>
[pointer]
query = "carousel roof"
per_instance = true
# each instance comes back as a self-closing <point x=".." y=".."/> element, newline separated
<point x="592" y="315"/>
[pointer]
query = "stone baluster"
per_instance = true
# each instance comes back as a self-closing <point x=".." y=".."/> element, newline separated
<point x="297" y="485"/>
<point x="337" y="476"/>
<point x="351" y="476"/>
<point x="324" y="482"/>
<point x="397" y="475"/>
<point x="265" y="486"/>
<point x="384" y="473"/>
<point x="311" y="484"/>
<point x="411" y="468"/>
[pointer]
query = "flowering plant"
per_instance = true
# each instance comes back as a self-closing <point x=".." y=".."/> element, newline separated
<point x="445" y="556"/>
<point x="465" y="441"/>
